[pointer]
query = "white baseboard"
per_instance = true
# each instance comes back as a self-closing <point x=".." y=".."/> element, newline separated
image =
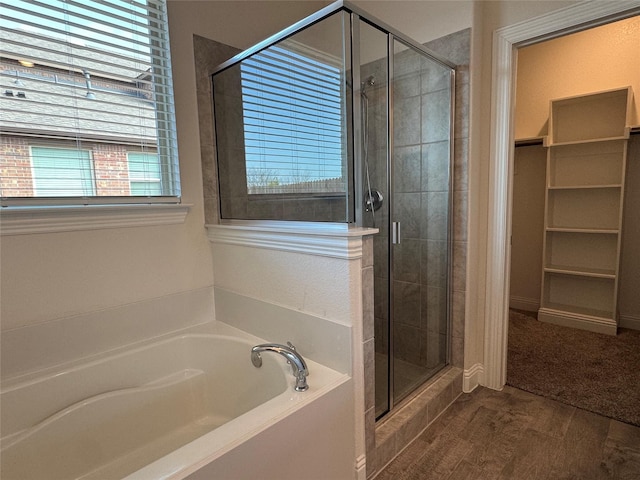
<point x="629" y="321"/>
<point x="472" y="377"/>
<point x="524" y="303"/>
<point x="361" y="467"/>
<point x="577" y="320"/>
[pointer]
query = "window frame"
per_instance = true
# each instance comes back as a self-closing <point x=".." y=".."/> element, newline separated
<point x="33" y="167"/>
<point x="324" y="60"/>
<point x="42" y="215"/>
<point x="146" y="180"/>
<point x="165" y="131"/>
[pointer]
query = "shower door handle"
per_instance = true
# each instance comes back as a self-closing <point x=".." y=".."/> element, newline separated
<point x="395" y="233"/>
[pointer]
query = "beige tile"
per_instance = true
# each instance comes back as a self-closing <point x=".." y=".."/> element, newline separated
<point x="369" y="374"/>
<point x="367" y="304"/>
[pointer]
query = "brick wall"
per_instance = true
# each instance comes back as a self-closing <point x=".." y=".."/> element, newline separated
<point x="15" y="167"/>
<point x="110" y="169"/>
<point x="110" y="166"/>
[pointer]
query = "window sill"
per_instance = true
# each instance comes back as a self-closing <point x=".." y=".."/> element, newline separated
<point x="34" y="220"/>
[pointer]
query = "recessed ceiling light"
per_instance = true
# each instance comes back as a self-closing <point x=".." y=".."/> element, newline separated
<point x="26" y="63"/>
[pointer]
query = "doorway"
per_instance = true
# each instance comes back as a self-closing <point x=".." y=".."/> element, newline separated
<point x="506" y="40"/>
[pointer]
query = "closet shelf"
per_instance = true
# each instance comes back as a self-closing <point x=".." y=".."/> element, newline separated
<point x="581" y="271"/>
<point x="625" y="136"/>
<point x="583" y="187"/>
<point x="606" y="231"/>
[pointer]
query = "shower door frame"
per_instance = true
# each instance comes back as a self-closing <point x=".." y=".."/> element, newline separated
<point x="394" y="36"/>
<point x="392" y="39"/>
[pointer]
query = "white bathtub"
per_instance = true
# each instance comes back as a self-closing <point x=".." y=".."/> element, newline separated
<point x="168" y="409"/>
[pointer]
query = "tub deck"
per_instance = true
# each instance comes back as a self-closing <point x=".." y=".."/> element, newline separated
<point x="165" y="411"/>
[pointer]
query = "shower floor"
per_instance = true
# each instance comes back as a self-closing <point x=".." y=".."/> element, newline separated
<point x="407" y="377"/>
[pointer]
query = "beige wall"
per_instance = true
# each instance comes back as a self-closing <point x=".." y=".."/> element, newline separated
<point x="628" y="298"/>
<point x="597" y="59"/>
<point x="529" y="174"/>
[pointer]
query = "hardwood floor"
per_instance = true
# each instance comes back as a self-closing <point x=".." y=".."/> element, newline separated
<point x="514" y="435"/>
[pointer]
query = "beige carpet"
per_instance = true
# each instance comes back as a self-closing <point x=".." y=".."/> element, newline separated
<point x="595" y="372"/>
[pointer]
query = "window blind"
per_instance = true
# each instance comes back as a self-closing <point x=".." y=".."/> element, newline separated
<point x="86" y="76"/>
<point x="293" y="127"/>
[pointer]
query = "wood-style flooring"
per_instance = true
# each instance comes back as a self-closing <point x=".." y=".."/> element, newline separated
<point x="515" y="435"/>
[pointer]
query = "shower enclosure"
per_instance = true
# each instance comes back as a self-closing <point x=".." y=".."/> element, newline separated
<point x="341" y="118"/>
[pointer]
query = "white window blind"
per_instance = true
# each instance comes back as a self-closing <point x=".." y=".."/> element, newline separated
<point x="88" y="76"/>
<point x="293" y="127"/>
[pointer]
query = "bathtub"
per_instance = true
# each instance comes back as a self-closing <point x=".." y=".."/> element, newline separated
<point x="185" y="406"/>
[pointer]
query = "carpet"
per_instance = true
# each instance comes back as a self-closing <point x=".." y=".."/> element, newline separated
<point x="592" y="371"/>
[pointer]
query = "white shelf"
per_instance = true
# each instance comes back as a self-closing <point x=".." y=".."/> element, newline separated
<point x="602" y="231"/>
<point x="584" y="209"/>
<point x="587" y="118"/>
<point x="576" y="251"/>
<point x="624" y="136"/>
<point x="584" y="187"/>
<point x="581" y="272"/>
<point x="586" y="162"/>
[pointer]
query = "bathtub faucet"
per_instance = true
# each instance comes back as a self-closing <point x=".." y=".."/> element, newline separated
<point x="298" y="365"/>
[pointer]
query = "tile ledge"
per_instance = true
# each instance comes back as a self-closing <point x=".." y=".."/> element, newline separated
<point x="322" y="239"/>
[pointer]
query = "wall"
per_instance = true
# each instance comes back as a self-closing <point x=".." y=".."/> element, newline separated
<point x="597" y="59"/>
<point x="529" y="178"/>
<point x="628" y="299"/>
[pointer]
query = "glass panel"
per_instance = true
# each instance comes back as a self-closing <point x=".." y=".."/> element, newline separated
<point x="421" y="159"/>
<point x="61" y="172"/>
<point x="281" y="129"/>
<point x="375" y="182"/>
<point x="145" y="173"/>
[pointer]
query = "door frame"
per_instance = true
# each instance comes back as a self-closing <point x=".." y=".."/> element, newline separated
<point x="506" y="41"/>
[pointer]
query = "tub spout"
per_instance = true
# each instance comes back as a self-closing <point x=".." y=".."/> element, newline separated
<point x="298" y="365"/>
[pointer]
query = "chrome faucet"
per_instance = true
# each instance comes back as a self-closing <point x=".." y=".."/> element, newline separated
<point x="298" y="365"/>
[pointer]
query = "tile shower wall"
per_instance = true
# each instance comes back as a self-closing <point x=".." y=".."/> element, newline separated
<point x="422" y="92"/>
<point x="208" y="54"/>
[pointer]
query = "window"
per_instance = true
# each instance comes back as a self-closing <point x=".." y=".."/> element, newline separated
<point x="61" y="172"/>
<point x="144" y="174"/>
<point x="86" y="89"/>
<point x="293" y="132"/>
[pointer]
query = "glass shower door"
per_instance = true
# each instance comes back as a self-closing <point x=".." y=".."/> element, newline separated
<point x="420" y="209"/>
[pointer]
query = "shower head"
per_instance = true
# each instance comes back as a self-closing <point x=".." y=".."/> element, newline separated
<point x="370" y="81"/>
